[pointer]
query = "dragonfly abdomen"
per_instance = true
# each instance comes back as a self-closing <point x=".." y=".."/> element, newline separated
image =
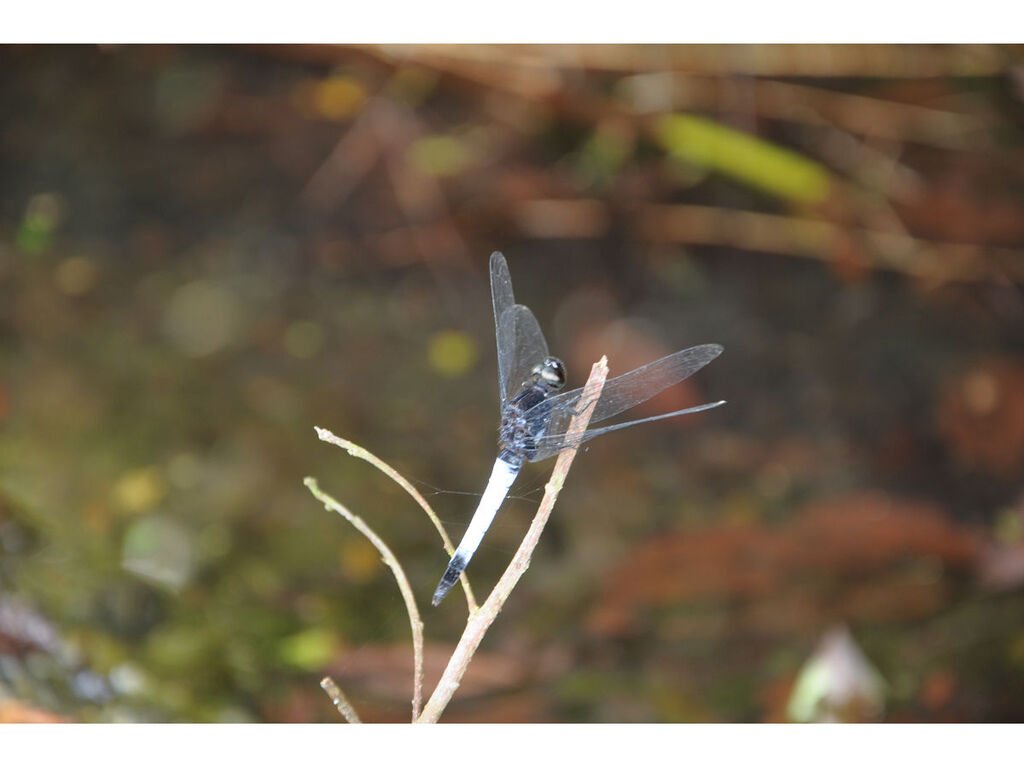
<point x="506" y="468"/>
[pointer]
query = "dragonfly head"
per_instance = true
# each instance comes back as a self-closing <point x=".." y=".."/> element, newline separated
<point x="551" y="372"/>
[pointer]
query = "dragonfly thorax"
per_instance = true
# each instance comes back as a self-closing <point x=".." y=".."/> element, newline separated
<point x="518" y="432"/>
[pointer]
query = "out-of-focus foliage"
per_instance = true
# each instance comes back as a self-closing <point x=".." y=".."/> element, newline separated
<point x="746" y="158"/>
<point x="206" y="252"/>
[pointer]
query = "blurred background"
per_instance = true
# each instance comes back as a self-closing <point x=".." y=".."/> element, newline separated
<point x="204" y="252"/>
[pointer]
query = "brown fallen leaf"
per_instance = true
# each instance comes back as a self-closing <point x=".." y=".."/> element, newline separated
<point x="867" y="556"/>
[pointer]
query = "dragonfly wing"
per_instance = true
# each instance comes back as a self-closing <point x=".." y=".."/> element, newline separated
<point x="528" y="349"/>
<point x="641" y="384"/>
<point x="551" y="444"/>
<point x="502" y="301"/>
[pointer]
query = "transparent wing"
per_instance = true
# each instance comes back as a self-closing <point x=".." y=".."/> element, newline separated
<point x="520" y="341"/>
<point x="504" y="323"/>
<point x="528" y="348"/>
<point x="620" y="394"/>
<point x="551" y="444"/>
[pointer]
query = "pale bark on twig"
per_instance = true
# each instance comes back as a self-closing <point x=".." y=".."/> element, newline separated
<point x="343" y="705"/>
<point x="480" y="621"/>
<point x="403" y="585"/>
<point x="361" y="453"/>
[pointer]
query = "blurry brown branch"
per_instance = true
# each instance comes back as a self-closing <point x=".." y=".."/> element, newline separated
<point x="480" y="621"/>
<point x="383" y="134"/>
<point x="757" y="60"/>
<point x="351" y="159"/>
<point x="664" y="79"/>
<point x="823" y="240"/>
<point x="403" y="585"/>
<point x="694" y="225"/>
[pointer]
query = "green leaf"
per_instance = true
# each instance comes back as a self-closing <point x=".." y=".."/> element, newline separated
<point x="310" y="649"/>
<point x="746" y="158"/>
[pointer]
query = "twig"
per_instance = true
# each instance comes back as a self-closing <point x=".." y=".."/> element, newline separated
<point x="814" y="238"/>
<point x="763" y="60"/>
<point x="691" y="78"/>
<point x="480" y="621"/>
<point x="361" y="453"/>
<point x="340" y="701"/>
<point x="403" y="585"/>
<point x="352" y="158"/>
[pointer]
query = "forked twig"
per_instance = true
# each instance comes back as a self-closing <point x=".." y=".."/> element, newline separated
<point x="480" y="621"/>
<point x="361" y="453"/>
<point x="403" y="585"/>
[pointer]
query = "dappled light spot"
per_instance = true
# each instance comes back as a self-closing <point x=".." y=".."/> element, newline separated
<point x="981" y="417"/>
<point x="310" y="649"/>
<point x="140" y="489"/>
<point x="76" y="276"/>
<point x="160" y="550"/>
<point x="359" y="561"/>
<point x="443" y="155"/>
<point x="201" y="318"/>
<point x="336" y="98"/>
<point x="451" y="353"/>
<point x="304" y="339"/>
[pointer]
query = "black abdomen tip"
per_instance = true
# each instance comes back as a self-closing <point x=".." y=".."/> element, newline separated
<point x="451" y="574"/>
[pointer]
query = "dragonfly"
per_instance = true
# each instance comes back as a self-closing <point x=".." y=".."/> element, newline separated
<point x="535" y="414"/>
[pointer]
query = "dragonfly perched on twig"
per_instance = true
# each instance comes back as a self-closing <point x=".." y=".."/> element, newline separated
<point x="534" y="418"/>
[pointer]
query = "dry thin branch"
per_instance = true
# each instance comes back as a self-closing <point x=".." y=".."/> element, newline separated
<point x="893" y="250"/>
<point x="352" y="158"/>
<point x="480" y="621"/>
<point x="403" y="585"/>
<point x="812" y="238"/>
<point x="361" y="453"/>
<point x="761" y="60"/>
<point x="343" y="705"/>
<point x="687" y="83"/>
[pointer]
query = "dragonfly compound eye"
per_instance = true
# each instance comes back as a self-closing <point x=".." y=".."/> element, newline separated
<point x="552" y="371"/>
